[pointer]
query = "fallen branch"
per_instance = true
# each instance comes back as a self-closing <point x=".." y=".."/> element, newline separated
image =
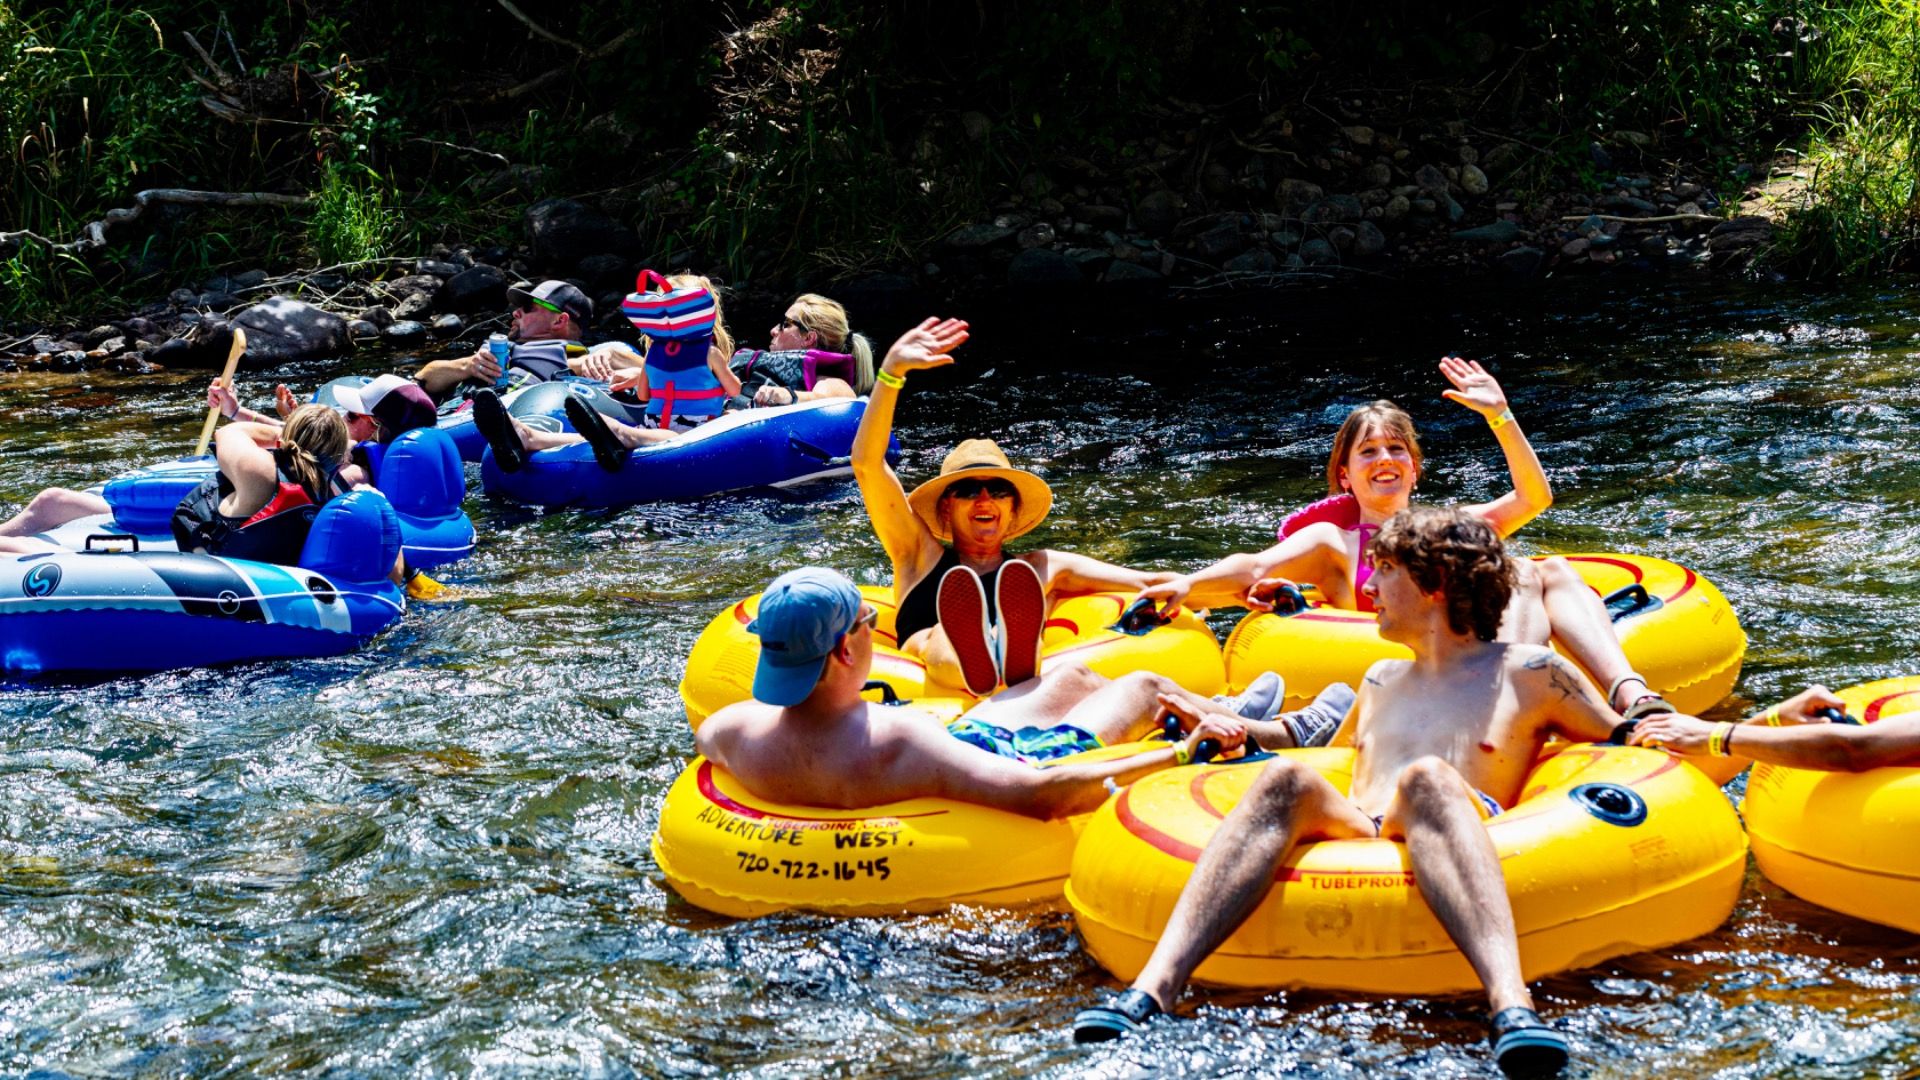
<point x="94" y="235"/>
<point x="1661" y="220"/>
<point x="539" y="30"/>
<point x="543" y="79"/>
<point x="501" y="158"/>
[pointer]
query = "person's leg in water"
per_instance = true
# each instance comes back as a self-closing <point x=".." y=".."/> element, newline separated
<point x="51" y="509"/>
<point x="1458" y="873"/>
<point x="1286" y="804"/>
<point x="1552" y="602"/>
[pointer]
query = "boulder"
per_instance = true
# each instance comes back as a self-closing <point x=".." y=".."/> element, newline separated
<point x="1318" y="252"/>
<point x="247" y="279"/>
<point x="1157" y="212"/>
<point x="1293" y="196"/>
<point x="607" y="272"/>
<point x="446" y="326"/>
<point x="1520" y="262"/>
<point x="404" y="332"/>
<point x="980" y="235"/>
<point x="281" y="330"/>
<point x="1430" y="180"/>
<point x="1368" y="240"/>
<point x="482" y="288"/>
<point x="1219" y="242"/>
<point x="561" y="232"/>
<point x="1257" y="261"/>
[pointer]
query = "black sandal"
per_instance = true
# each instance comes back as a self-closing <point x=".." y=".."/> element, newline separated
<point x="1123" y="1014"/>
<point x="1651" y="705"/>
<point x="1524" y="1045"/>
<point x="607" y="448"/>
<point x="497" y="428"/>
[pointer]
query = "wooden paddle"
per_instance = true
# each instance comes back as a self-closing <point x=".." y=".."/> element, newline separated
<point x="226" y="379"/>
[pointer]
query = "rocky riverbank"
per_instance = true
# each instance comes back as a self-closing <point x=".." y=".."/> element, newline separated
<point x="1202" y="205"/>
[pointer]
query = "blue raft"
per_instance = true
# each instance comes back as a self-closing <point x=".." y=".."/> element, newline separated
<point x="752" y="448"/>
<point x="419" y="473"/>
<point x="97" y="611"/>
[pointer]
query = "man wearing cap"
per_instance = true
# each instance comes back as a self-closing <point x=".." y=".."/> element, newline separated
<point x="548" y="320"/>
<point x="968" y="608"/>
<point x="809" y="738"/>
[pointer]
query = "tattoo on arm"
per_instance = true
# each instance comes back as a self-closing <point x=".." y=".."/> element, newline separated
<point x="1559" y="674"/>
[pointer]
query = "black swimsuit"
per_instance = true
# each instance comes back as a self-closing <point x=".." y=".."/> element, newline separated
<point x="920" y="608"/>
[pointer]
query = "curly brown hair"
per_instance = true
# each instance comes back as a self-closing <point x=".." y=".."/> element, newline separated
<point x="1455" y="553"/>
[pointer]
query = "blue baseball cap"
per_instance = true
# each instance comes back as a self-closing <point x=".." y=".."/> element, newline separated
<point x="802" y="616"/>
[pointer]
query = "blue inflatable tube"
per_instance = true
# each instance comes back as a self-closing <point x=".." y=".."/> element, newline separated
<point x="94" y="611"/>
<point x="419" y="472"/>
<point x="746" y="449"/>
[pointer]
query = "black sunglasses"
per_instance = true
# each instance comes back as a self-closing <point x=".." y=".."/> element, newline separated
<point x="968" y="489"/>
<point x="790" y="323"/>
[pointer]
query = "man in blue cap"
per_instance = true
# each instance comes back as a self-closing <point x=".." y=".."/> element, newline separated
<point x="809" y="738"/>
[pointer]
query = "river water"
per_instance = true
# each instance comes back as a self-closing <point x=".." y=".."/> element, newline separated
<point x="431" y="858"/>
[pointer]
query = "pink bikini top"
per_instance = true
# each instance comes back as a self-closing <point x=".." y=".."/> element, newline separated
<point x="1341" y="510"/>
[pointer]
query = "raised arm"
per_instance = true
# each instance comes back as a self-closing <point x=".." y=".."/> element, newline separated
<point x="1531" y="493"/>
<point x="245" y="453"/>
<point x="907" y="542"/>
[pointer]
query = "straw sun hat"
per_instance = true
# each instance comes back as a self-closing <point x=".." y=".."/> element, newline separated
<point x="982" y="459"/>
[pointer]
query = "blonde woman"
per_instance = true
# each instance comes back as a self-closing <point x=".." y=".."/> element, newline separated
<point x="271" y="483"/>
<point x="812" y="353"/>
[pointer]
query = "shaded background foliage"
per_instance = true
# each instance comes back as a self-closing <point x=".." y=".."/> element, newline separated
<point x="823" y="136"/>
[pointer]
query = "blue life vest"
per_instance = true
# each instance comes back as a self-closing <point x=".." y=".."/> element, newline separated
<point x="679" y="382"/>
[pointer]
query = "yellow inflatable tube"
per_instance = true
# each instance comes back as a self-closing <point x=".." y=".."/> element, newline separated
<point x="1845" y="841"/>
<point x="728" y="851"/>
<point x="720" y="667"/>
<point x="1685" y="638"/>
<point x="1611" y="850"/>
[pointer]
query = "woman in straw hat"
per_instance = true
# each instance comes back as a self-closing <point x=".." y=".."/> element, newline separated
<point x="972" y="611"/>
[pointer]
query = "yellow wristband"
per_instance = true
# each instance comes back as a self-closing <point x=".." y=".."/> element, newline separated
<point x="1771" y="717"/>
<point x="890" y="379"/>
<point x="1719" y="744"/>
<point x="1504" y="418"/>
<point x="1180" y="754"/>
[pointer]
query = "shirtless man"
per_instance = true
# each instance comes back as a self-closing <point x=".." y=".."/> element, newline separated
<point x="1444" y="741"/>
<point x="810" y="739"/>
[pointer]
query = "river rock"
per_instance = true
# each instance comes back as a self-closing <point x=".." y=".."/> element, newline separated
<point x="1396" y="208"/>
<point x="561" y="232"/>
<point x="1219" y="242"/>
<point x="1132" y="276"/>
<point x="113" y="346"/>
<point x="1500" y="232"/>
<point x="1575" y="247"/>
<point x="1034" y="236"/>
<point x="1157" y="212"/>
<point x="1377" y="175"/>
<point x="1472" y="180"/>
<point x="1627" y="204"/>
<point x="92" y="338"/>
<point x="606" y="272"/>
<point x="1100" y="215"/>
<point x="446" y="326"/>
<point x="1368" y="240"/>
<point x="1257" y="261"/>
<point x="404" y="332"/>
<point x="247" y="279"/>
<point x="361" y="328"/>
<point x="1293" y="196"/>
<point x="182" y="298"/>
<point x="281" y="329"/>
<point x="1520" y="262"/>
<point x="1041" y="268"/>
<point x="1334" y="208"/>
<point x="216" y="300"/>
<point x="1318" y="252"/>
<point x="482" y="288"/>
<point x="413" y="305"/>
<point x="436" y="267"/>
<point x="1430" y="179"/>
<point x="984" y="234"/>
<point x="379" y="315"/>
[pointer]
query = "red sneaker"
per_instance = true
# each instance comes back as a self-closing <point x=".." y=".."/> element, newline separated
<point x="962" y="605"/>
<point x="1021" y="602"/>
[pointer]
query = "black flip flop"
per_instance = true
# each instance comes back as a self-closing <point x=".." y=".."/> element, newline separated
<point x="497" y="428"/>
<point x="1123" y="1014"/>
<point x="607" y="449"/>
<point x="1524" y="1045"/>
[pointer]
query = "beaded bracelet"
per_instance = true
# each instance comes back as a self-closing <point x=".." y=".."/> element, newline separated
<point x="1504" y="418"/>
<point x="890" y="379"/>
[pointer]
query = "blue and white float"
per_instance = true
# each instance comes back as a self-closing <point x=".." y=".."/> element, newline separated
<point x="99" y="611"/>
<point x="419" y="472"/>
<point x="752" y="448"/>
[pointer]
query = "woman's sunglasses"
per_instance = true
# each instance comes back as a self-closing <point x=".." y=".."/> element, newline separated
<point x="969" y="489"/>
<point x="788" y="322"/>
